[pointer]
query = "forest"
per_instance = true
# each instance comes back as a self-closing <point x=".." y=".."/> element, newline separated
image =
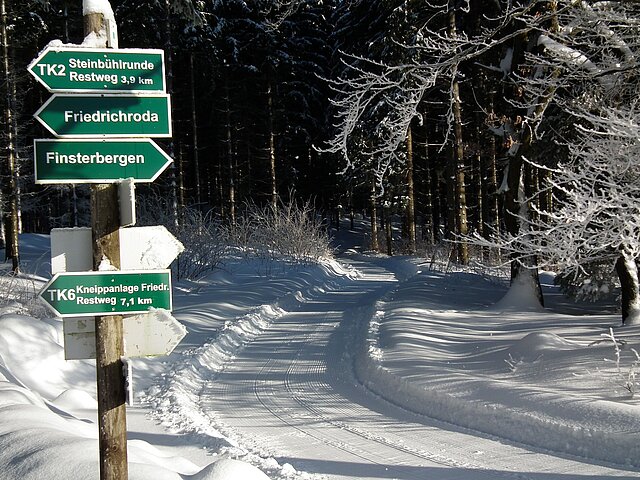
<point x="499" y="132"/>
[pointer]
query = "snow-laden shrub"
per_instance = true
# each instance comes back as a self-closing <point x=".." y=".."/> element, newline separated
<point x="288" y="231"/>
<point x="204" y="239"/>
<point x="19" y="294"/>
<point x="593" y="282"/>
<point x="205" y="244"/>
<point x="627" y="370"/>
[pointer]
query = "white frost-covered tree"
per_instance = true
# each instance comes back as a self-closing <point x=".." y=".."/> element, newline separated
<point x="598" y="191"/>
<point x="588" y="77"/>
<point x="573" y="71"/>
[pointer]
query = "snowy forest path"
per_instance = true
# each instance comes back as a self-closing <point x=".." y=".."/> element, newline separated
<point x="290" y="394"/>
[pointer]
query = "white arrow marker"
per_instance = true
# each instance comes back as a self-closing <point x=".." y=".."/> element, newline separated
<point x="141" y="248"/>
<point x="146" y="335"/>
<point x="152" y="334"/>
<point x="146" y="248"/>
<point x="79" y="338"/>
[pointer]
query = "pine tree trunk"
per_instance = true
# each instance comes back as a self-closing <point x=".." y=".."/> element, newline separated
<point x="375" y="246"/>
<point x="410" y="213"/>
<point x="220" y="191"/>
<point x="387" y="226"/>
<point x="460" y="204"/>
<point x="351" y="211"/>
<point x="478" y="179"/>
<point x="428" y="221"/>
<point x="490" y="185"/>
<point x="272" y="147"/>
<point x="168" y="47"/>
<point x="516" y="208"/>
<point x="3" y="240"/>
<point x="182" y="197"/>
<point x="11" y="220"/>
<point x="194" y="133"/>
<point x="450" y="173"/>
<point x="461" y="196"/>
<point x="229" y="155"/>
<point x="515" y="203"/>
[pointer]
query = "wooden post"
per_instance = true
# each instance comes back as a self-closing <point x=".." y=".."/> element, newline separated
<point x="112" y="422"/>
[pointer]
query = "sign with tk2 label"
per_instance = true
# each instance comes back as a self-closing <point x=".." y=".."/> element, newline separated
<point x="65" y="69"/>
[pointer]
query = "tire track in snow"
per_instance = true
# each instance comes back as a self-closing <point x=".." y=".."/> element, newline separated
<point x="282" y="396"/>
<point x="277" y="391"/>
<point x="316" y="370"/>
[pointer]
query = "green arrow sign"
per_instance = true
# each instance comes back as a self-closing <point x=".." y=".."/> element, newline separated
<point x="98" y="161"/>
<point x="64" y="69"/>
<point x="78" y="294"/>
<point x="77" y="116"/>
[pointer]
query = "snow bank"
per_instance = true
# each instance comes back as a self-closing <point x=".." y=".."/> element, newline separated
<point x="31" y="352"/>
<point x="437" y="345"/>
<point x="228" y="469"/>
<point x="525" y="375"/>
<point x="48" y="406"/>
<point x="47" y="412"/>
<point x="520" y="297"/>
<point x="174" y="398"/>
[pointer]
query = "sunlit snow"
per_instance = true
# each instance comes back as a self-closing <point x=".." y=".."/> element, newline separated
<point x="506" y="383"/>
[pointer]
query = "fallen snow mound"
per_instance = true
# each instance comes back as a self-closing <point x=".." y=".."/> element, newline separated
<point x="535" y="344"/>
<point x="228" y="469"/>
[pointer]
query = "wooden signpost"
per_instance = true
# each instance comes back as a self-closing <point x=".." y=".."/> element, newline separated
<point x="93" y="302"/>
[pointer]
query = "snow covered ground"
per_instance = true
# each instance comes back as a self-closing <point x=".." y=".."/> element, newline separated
<point x="374" y="367"/>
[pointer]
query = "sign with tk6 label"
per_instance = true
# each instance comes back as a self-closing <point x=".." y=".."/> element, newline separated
<point x="80" y="294"/>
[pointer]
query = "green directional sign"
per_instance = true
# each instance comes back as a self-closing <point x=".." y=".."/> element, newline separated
<point x="107" y="115"/>
<point x="68" y="69"/>
<point x="98" y="161"/>
<point x="78" y="294"/>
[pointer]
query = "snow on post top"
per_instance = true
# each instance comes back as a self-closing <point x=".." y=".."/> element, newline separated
<point x="98" y="6"/>
<point x="108" y="36"/>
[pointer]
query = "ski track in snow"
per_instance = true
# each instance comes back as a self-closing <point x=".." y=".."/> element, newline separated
<point x="286" y="390"/>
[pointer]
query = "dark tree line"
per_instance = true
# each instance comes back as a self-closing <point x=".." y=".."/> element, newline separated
<point x="451" y="115"/>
